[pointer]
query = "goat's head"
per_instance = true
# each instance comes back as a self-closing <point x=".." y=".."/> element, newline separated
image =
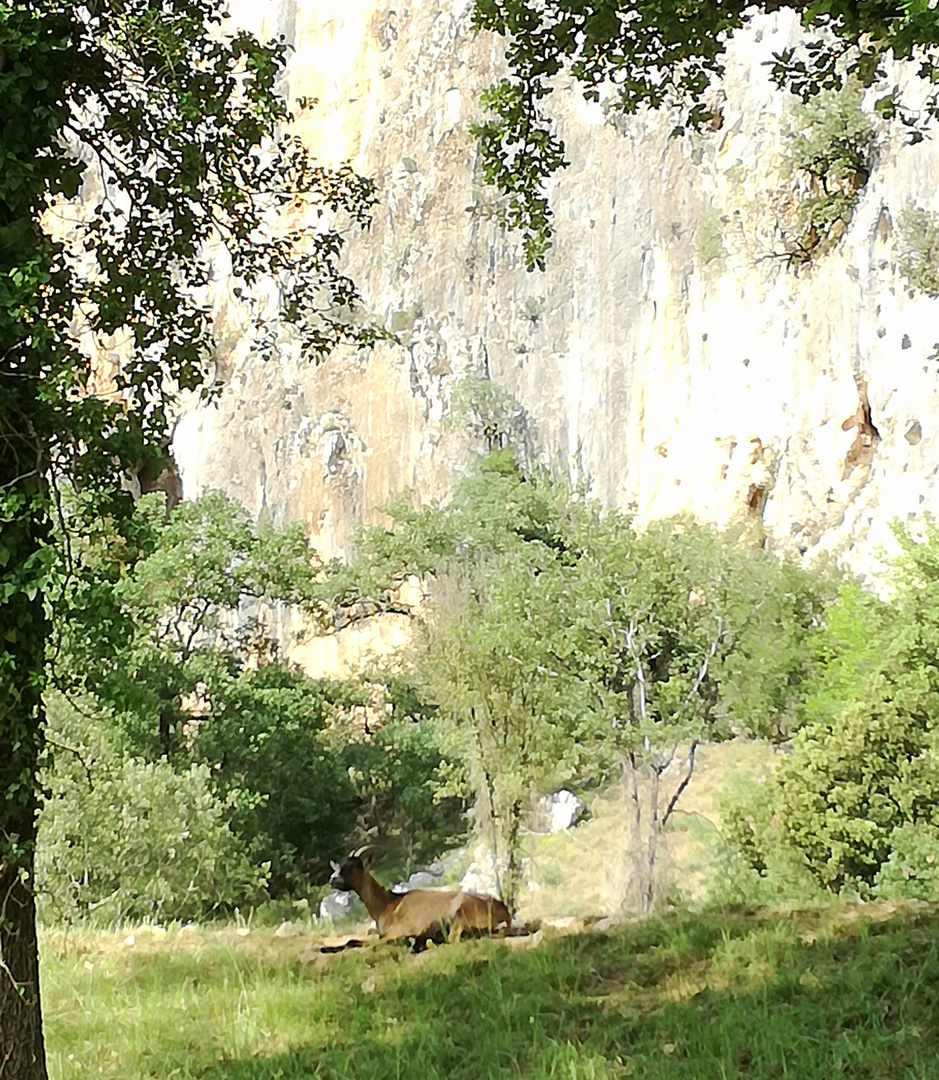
<point x="348" y="874"/>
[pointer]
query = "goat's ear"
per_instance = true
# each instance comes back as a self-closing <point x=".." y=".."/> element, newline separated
<point x="334" y="865"/>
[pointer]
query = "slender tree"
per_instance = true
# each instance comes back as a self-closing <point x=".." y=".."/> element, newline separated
<point x="683" y="635"/>
<point x="484" y="654"/>
<point x="137" y="137"/>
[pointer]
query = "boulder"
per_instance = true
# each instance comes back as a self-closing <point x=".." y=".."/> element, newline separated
<point x="420" y="879"/>
<point x="481" y="877"/>
<point x="338" y="905"/>
<point x="561" y="810"/>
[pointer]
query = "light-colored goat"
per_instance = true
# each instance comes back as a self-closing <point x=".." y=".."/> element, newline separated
<point x="421" y="915"/>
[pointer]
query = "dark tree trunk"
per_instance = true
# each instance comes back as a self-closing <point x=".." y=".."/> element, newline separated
<point x="24" y="633"/>
<point x="22" y="1055"/>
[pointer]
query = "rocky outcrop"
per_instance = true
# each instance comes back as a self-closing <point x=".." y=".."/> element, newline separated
<point x="668" y="354"/>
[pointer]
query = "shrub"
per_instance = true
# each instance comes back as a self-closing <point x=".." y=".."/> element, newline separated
<point x="134" y="840"/>
<point x="264" y="737"/>
<point x="912" y="870"/>
<point x="831" y="143"/>
<point x="849" y="784"/>
<point x="833" y="137"/>
<point x="489" y="412"/>
<point x="755" y="863"/>
<point x="918" y="239"/>
<point x="709" y="240"/>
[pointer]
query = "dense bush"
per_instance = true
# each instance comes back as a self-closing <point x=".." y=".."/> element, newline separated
<point x="857" y="801"/>
<point x="754" y="862"/>
<point x="264" y="738"/>
<point x="125" y="839"/>
<point x="912" y="869"/>
<point x="850" y="784"/>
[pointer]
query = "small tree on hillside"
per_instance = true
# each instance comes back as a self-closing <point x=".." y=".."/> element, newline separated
<point x="484" y="656"/>
<point x="668" y="624"/>
<point x="491" y="561"/>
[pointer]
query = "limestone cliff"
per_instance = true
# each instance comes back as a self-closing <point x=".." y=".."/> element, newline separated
<point x="665" y="354"/>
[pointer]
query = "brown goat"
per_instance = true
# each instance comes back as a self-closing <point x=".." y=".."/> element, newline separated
<point x="421" y="915"/>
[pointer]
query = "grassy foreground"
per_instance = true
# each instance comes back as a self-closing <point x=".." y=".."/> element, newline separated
<point x="829" y="992"/>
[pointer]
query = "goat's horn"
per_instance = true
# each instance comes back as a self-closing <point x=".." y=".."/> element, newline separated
<point x="365" y="849"/>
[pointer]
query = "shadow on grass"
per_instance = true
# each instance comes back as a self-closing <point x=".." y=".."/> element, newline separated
<point x="813" y="995"/>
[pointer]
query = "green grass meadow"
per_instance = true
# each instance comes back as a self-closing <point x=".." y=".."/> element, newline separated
<point x="814" y="994"/>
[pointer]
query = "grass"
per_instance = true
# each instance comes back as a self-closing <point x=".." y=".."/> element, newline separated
<point x="814" y="994"/>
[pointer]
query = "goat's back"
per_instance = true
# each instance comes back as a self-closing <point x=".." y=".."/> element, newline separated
<point x="417" y="913"/>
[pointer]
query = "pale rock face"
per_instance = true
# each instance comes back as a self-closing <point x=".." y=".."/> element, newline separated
<point x="728" y="387"/>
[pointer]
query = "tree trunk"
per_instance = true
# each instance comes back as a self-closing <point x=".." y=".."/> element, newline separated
<point x="637" y="886"/>
<point x="25" y="632"/>
<point x="22" y="1054"/>
<point x="656" y="825"/>
<point x="511" y="885"/>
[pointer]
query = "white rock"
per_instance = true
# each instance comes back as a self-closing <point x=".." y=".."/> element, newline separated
<point x="563" y="810"/>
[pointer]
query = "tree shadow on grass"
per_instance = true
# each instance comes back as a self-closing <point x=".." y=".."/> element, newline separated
<point x="719" y="995"/>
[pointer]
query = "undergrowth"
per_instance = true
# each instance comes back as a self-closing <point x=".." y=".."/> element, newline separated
<point x="818" y="993"/>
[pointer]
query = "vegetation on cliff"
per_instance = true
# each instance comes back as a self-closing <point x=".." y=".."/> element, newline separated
<point x="668" y="55"/>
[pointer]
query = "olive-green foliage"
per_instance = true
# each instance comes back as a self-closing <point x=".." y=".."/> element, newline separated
<point x="488" y="411"/>
<point x="711" y="627"/>
<point x="915" y="624"/>
<point x="918" y="241"/>
<point x="491" y="510"/>
<point x="123" y="839"/>
<point x="848" y="785"/>
<point x="488" y="558"/>
<point x="485" y="656"/>
<point x="145" y="615"/>
<point x="856" y="800"/>
<point x="831" y="144"/>
<point x="403" y="778"/>
<point x="559" y="636"/>
<point x="684" y="635"/>
<point x="291" y="798"/>
<point x="754" y="863"/>
<point x="709" y="240"/>
<point x="912" y="868"/>
<point x="846" y="655"/>
<point x="832" y="136"/>
<point x="173" y="627"/>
